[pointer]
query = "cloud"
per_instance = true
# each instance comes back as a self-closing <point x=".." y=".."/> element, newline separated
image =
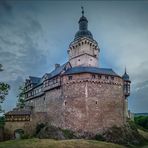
<point x="35" y="35"/>
<point x="6" y="6"/>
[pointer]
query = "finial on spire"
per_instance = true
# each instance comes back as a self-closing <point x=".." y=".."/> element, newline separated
<point x="82" y="10"/>
<point x="125" y="69"/>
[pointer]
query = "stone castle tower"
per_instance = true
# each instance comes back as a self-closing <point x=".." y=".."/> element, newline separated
<point x="84" y="50"/>
<point x="78" y="95"/>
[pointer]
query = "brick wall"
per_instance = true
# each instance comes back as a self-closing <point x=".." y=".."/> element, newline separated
<point x="29" y="127"/>
<point x="85" y="103"/>
<point x="1" y="133"/>
<point x="93" y="105"/>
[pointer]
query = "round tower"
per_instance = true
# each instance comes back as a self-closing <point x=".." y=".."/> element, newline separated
<point x="84" y="50"/>
<point x="126" y="90"/>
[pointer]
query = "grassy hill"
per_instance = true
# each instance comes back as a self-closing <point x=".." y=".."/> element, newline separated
<point x="48" y="143"/>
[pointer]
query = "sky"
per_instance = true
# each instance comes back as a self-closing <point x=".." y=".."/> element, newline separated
<point x="35" y="34"/>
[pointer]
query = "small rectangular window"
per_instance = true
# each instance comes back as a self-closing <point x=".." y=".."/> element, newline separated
<point x="93" y="76"/>
<point x="70" y="77"/>
<point x="106" y="77"/>
<point x="112" y="78"/>
<point x="99" y="76"/>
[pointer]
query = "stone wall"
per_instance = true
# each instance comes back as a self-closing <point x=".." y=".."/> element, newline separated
<point x="93" y="105"/>
<point x="84" y="52"/>
<point x="54" y="105"/>
<point x="1" y="133"/>
<point x="85" y="103"/>
<point x="49" y="103"/>
<point x="29" y="127"/>
<point x="84" y="60"/>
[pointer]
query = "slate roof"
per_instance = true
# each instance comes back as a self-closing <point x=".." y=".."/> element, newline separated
<point x="125" y="77"/>
<point x="95" y="70"/>
<point x="18" y="112"/>
<point x="34" y="80"/>
<point x="56" y="71"/>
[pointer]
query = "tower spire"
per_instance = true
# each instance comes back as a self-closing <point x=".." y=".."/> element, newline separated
<point x="125" y="69"/>
<point x="82" y="10"/>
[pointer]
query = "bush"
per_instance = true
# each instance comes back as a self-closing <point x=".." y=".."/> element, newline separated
<point x="2" y="121"/>
<point x="68" y="134"/>
<point x="39" y="127"/>
<point x="126" y="135"/>
<point x="99" y="137"/>
<point x="51" y="132"/>
<point x="142" y="121"/>
<point x="25" y="136"/>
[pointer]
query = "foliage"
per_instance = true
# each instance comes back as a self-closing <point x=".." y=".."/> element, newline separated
<point x="21" y="97"/>
<point x="142" y="121"/>
<point x="1" y="67"/>
<point x="68" y="134"/>
<point x="2" y="121"/>
<point x="26" y="136"/>
<point x="126" y="135"/>
<point x="4" y="88"/>
<point x="99" y="137"/>
<point x="39" y="127"/>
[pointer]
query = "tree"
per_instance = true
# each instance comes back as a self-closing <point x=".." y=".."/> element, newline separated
<point x="1" y="67"/>
<point x="21" y="97"/>
<point x="4" y="88"/>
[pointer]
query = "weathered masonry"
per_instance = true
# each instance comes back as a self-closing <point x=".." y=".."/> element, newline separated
<point x="78" y="95"/>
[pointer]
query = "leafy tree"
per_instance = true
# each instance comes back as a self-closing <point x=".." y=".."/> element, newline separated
<point x="142" y="121"/>
<point x="4" y="88"/>
<point x="21" y="97"/>
<point x="1" y="67"/>
<point x="2" y="121"/>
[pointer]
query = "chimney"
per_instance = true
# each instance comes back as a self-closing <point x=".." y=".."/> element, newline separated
<point x="57" y="66"/>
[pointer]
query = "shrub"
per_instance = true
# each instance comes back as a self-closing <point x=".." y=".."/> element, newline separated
<point x="68" y="134"/>
<point x="142" y="121"/>
<point x="25" y="136"/>
<point x="127" y="135"/>
<point x="39" y="127"/>
<point x="99" y="137"/>
<point x="2" y="121"/>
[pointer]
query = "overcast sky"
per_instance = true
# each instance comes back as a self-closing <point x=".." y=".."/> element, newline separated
<point x="34" y="35"/>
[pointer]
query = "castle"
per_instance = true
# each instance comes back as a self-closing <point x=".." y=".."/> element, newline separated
<point x="78" y="95"/>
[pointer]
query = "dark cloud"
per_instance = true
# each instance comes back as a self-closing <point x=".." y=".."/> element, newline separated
<point x="35" y="35"/>
<point x="6" y="5"/>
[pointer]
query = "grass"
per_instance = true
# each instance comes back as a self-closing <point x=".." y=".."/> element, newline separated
<point x="49" y="143"/>
<point x="143" y="133"/>
<point x="77" y="143"/>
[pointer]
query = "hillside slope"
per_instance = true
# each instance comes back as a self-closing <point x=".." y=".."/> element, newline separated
<point x="48" y="143"/>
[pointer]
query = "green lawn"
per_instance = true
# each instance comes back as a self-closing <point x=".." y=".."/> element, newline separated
<point x="143" y="133"/>
<point x="48" y="143"/>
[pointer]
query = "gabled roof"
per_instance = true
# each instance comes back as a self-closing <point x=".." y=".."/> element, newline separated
<point x="96" y="70"/>
<point x="34" y="80"/>
<point x="58" y="70"/>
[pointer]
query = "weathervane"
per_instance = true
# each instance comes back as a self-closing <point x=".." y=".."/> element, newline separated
<point x="82" y="10"/>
